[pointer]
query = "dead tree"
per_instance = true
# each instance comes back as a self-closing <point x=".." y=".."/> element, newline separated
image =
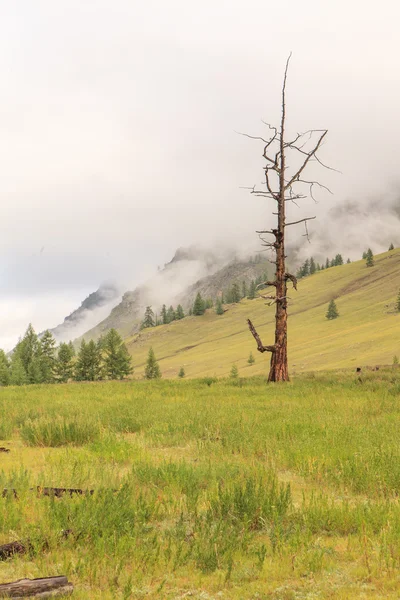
<point x="282" y="185"/>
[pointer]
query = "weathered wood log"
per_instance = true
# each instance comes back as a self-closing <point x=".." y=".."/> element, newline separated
<point x="46" y="587"/>
<point x="2" y="449"/>
<point x="49" y="491"/>
<point x="7" y="550"/>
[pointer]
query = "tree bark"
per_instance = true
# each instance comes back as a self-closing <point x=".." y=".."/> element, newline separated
<point x="47" y="587"/>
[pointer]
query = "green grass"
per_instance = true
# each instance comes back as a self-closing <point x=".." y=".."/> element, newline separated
<point x="208" y="488"/>
<point x="366" y="333"/>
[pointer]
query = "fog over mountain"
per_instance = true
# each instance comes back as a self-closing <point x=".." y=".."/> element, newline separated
<point x="118" y="136"/>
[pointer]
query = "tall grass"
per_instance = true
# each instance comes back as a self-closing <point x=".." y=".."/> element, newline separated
<point x="58" y="432"/>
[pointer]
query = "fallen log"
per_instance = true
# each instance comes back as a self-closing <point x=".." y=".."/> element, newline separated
<point x="7" y="550"/>
<point x="39" y="588"/>
<point x="2" y="449"/>
<point x="49" y="491"/>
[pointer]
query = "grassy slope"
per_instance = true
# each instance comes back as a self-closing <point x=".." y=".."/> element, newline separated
<point x="367" y="332"/>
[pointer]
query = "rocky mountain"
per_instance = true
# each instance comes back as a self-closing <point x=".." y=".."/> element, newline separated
<point x="92" y="310"/>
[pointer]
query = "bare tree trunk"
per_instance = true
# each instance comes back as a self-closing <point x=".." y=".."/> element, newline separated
<point x="281" y="191"/>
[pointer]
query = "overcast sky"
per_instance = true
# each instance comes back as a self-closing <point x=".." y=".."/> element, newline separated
<point x="118" y="124"/>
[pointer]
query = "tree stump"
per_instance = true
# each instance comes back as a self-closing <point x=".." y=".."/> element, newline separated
<point x="47" y="587"/>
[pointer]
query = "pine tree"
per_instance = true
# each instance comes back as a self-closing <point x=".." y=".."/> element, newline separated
<point x="398" y="302"/>
<point x="47" y="358"/>
<point x="338" y="260"/>
<point x="332" y="312"/>
<point x="235" y="293"/>
<point x="18" y="375"/>
<point x="252" y="290"/>
<point x="179" y="313"/>
<point x="219" y="309"/>
<point x="327" y="264"/>
<point x="369" y="258"/>
<point x="148" y="320"/>
<point x="88" y="364"/>
<point x="28" y="348"/>
<point x="117" y="361"/>
<point x="209" y="303"/>
<point x="4" y="369"/>
<point x="181" y="373"/>
<point x="199" y="307"/>
<point x="244" y="289"/>
<point x="391" y="247"/>
<point x="234" y="374"/>
<point x="313" y="266"/>
<point x="152" y="370"/>
<point x="170" y="314"/>
<point x="164" y="315"/>
<point x="364" y="255"/>
<point x="251" y="360"/>
<point x="35" y="374"/>
<point x="348" y="261"/>
<point x="64" y="366"/>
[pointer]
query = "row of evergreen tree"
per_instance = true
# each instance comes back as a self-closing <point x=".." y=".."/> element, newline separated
<point x="38" y="360"/>
<point x="311" y="266"/>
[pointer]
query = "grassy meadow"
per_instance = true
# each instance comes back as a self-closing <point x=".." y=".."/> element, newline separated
<point x="367" y="331"/>
<point x="208" y="489"/>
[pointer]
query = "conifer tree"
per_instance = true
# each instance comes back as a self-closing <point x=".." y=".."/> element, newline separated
<point x="152" y="370"/>
<point x="181" y="373"/>
<point x="47" y="358"/>
<point x="235" y="293"/>
<point x="338" y="260"/>
<point x="64" y="366"/>
<point x="199" y="307"/>
<point x="117" y="361"/>
<point x="28" y="348"/>
<point x="252" y="290"/>
<point x="327" y="264"/>
<point x="313" y="266"/>
<point x="332" y="312"/>
<point x="219" y="308"/>
<point x="170" y="314"/>
<point x="88" y="364"/>
<point x="18" y="375"/>
<point x="364" y="255"/>
<point x="209" y="303"/>
<point x="369" y="258"/>
<point x="348" y="261"/>
<point x="234" y="374"/>
<point x="398" y="302"/>
<point x="164" y="315"/>
<point x="391" y="247"/>
<point x="4" y="369"/>
<point x="244" y="289"/>
<point x="179" y="313"/>
<point x="148" y="320"/>
<point x="251" y="360"/>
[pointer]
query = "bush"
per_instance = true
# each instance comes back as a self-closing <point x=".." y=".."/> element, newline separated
<point x="58" y="432"/>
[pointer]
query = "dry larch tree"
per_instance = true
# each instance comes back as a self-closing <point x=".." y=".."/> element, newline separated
<point x="282" y="186"/>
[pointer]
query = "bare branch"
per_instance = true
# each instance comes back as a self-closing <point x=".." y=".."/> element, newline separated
<point x="309" y="156"/>
<point x="291" y="278"/>
<point x="300" y="221"/>
<point x="260" y="345"/>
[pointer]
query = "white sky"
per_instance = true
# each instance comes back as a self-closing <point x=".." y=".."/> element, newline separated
<point x="118" y="124"/>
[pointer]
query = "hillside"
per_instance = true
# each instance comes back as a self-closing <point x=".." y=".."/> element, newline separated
<point x="366" y="333"/>
<point x="189" y="272"/>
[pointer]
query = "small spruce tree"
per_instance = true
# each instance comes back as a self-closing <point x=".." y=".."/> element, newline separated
<point x="369" y="258"/>
<point x="164" y="315"/>
<point x="64" y="366"/>
<point x="148" y="320"/>
<point x="199" y="306"/>
<point x="47" y="357"/>
<point x="179" y="313"/>
<point x="117" y="361"/>
<point x="313" y="266"/>
<point x="219" y="309"/>
<point x="152" y="369"/>
<point x="181" y="373"/>
<point x="391" y="247"/>
<point x="235" y="293"/>
<point x="398" y="302"/>
<point x="234" y="374"/>
<point x="364" y="254"/>
<point x="251" y="360"/>
<point x="244" y="289"/>
<point x="252" y="290"/>
<point x="332" y="312"/>
<point x="170" y="314"/>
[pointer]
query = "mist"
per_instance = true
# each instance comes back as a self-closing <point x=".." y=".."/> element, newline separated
<point x="118" y="136"/>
